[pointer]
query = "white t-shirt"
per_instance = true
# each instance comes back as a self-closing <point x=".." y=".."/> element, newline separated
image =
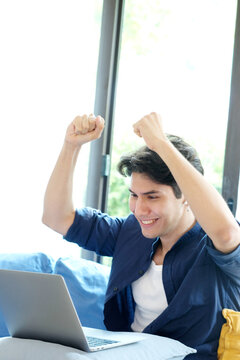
<point x="149" y="296"/>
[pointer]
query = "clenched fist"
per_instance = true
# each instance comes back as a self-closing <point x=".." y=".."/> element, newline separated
<point x="150" y="129"/>
<point x="84" y="128"/>
<point x="84" y="124"/>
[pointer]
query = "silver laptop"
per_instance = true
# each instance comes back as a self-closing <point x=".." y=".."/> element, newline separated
<point x="39" y="306"/>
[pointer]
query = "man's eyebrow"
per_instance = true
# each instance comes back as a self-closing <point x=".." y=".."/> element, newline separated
<point x="132" y="192"/>
<point x="146" y="193"/>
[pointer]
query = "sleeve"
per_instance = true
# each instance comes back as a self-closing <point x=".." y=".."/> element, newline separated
<point x="228" y="263"/>
<point x="94" y="230"/>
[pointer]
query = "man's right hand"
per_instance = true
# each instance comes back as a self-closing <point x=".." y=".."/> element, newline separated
<point x="84" y="129"/>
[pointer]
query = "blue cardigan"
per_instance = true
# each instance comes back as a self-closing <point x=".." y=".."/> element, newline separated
<point x="199" y="281"/>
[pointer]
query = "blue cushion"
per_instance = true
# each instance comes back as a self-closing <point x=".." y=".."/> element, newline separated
<point x="36" y="262"/>
<point x="87" y="284"/>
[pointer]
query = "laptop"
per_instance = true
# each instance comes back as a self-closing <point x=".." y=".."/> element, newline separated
<point x="39" y="306"/>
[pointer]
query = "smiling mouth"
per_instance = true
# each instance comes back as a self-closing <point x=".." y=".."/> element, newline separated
<point x="148" y="222"/>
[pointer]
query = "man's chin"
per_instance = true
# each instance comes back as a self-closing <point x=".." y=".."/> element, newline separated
<point x="149" y="235"/>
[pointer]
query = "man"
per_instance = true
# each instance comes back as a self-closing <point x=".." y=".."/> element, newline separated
<point x="176" y="258"/>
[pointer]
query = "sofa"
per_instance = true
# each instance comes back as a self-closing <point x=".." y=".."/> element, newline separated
<point x="87" y="283"/>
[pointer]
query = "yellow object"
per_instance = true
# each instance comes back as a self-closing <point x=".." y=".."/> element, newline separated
<point x="229" y="342"/>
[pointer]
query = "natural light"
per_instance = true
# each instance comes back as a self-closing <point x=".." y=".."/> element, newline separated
<point x="49" y="55"/>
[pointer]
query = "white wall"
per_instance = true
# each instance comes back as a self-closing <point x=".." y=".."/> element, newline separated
<point x="48" y="64"/>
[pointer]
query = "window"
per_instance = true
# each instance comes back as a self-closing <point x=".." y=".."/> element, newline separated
<point x="48" y="64"/>
<point x="176" y="59"/>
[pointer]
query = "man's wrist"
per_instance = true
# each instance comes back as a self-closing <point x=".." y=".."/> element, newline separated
<point x="70" y="149"/>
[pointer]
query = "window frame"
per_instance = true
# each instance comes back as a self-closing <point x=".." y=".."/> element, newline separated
<point x="230" y="182"/>
<point x="106" y="84"/>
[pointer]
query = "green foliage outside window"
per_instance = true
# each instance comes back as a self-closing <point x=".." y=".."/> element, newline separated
<point x="118" y="192"/>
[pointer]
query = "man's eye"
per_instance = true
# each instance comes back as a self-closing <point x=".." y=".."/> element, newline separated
<point x="133" y="195"/>
<point x="152" y="197"/>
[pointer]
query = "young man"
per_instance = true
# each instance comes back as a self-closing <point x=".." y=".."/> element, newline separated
<point x="176" y="258"/>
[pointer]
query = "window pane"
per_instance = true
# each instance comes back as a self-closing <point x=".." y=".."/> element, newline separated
<point x="176" y="59"/>
<point x="48" y="63"/>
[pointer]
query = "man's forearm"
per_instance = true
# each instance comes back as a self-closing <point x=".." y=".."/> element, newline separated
<point x="58" y="211"/>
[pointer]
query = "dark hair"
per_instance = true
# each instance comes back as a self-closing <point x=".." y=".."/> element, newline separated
<point x="148" y="162"/>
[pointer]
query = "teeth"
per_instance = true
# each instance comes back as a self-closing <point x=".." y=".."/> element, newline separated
<point x="146" y="222"/>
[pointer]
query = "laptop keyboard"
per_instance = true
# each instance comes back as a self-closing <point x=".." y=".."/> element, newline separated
<point x="93" y="341"/>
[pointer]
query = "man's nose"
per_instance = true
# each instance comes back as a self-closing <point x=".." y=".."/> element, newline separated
<point x="141" y="207"/>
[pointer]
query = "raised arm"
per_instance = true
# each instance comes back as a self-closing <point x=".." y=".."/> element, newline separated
<point x="208" y="206"/>
<point x="59" y="211"/>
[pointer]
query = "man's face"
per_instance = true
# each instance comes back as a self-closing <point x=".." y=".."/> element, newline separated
<point x="155" y="206"/>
